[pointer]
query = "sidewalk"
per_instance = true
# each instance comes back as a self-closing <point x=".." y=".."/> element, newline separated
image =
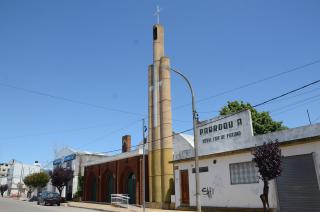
<point x="110" y="208"/>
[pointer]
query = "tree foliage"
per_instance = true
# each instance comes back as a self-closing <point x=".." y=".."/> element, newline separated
<point x="268" y="160"/>
<point x="261" y="121"/>
<point x="36" y="180"/>
<point x="79" y="192"/>
<point x="3" y="189"/>
<point x="60" y="178"/>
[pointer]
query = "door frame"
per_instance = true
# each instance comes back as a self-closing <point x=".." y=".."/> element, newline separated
<point x="183" y="188"/>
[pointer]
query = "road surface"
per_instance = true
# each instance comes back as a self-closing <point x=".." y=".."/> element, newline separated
<point x="11" y="205"/>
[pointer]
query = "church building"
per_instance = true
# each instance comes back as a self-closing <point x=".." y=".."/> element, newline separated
<point x="122" y="173"/>
<point x="116" y="174"/>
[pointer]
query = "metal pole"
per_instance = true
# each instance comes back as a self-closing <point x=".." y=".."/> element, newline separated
<point x="309" y="117"/>
<point x="143" y="167"/>
<point x="195" y="134"/>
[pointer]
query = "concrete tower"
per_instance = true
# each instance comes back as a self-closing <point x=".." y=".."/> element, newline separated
<point x="160" y="123"/>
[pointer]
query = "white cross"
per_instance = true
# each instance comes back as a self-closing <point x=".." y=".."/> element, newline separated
<point x="157" y="13"/>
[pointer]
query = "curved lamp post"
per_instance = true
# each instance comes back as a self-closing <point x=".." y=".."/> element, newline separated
<point x="195" y="134"/>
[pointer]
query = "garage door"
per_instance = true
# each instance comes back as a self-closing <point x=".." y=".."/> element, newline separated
<point x="298" y="188"/>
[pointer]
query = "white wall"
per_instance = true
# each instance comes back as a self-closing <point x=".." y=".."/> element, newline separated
<point x="241" y="195"/>
<point x="17" y="173"/>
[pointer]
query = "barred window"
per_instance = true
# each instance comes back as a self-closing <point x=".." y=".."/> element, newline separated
<point x="243" y="173"/>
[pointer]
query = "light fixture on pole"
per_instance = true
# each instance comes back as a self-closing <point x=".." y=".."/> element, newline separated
<point x="195" y="134"/>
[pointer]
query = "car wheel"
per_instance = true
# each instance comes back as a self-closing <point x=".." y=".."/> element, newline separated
<point x="38" y="203"/>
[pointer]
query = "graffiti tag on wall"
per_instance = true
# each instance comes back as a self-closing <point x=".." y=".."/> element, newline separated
<point x="208" y="191"/>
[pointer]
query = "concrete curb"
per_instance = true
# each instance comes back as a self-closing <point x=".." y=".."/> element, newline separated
<point x="97" y="209"/>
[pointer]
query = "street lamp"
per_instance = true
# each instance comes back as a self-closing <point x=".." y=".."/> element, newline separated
<point x="195" y="134"/>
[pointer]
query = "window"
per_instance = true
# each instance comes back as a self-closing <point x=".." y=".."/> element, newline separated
<point x="243" y="173"/>
<point x="155" y="33"/>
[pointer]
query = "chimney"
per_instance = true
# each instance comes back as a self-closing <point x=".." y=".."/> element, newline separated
<point x="126" y="143"/>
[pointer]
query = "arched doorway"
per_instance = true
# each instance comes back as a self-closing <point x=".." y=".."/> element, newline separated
<point x="110" y="186"/>
<point x="93" y="196"/>
<point x="131" y="188"/>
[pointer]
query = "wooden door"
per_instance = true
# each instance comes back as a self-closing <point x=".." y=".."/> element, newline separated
<point x="184" y="179"/>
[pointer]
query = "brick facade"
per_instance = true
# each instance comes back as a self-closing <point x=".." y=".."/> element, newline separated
<point x="120" y="170"/>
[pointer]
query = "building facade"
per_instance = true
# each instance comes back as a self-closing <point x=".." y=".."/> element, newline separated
<point x="229" y="178"/>
<point x="117" y="174"/>
<point x="73" y="159"/>
<point x="4" y="169"/>
<point x="16" y="173"/>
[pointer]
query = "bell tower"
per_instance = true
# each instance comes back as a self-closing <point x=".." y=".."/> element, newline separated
<point x="159" y="123"/>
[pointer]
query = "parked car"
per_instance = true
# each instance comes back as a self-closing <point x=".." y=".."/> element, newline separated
<point x="49" y="198"/>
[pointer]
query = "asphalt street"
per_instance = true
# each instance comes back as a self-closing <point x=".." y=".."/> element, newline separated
<point x="11" y="205"/>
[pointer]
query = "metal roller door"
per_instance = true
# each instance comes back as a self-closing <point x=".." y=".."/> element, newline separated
<point x="298" y="188"/>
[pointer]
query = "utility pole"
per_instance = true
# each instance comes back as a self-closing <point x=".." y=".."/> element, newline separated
<point x="144" y="129"/>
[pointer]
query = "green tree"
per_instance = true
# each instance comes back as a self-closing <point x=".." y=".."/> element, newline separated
<point x="36" y="180"/>
<point x="261" y="121"/>
<point x="79" y="192"/>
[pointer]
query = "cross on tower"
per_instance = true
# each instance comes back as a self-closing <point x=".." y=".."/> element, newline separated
<point x="157" y="13"/>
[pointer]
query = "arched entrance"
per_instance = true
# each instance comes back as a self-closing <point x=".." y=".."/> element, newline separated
<point x="110" y="186"/>
<point x="93" y="196"/>
<point x="131" y="188"/>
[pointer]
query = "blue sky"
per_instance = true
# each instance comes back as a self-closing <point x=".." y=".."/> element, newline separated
<point x="98" y="52"/>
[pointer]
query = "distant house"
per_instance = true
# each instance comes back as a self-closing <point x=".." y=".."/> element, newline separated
<point x="16" y="173"/>
<point x="4" y="169"/>
<point x="73" y="159"/>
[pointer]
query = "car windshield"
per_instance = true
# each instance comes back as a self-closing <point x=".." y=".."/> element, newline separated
<point x="43" y="194"/>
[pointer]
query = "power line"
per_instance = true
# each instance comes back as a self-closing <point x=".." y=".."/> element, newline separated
<point x="254" y="82"/>
<point x="223" y="117"/>
<point x="207" y="123"/>
<point x="298" y="104"/>
<point x="173" y="134"/>
<point x="272" y="99"/>
<point x="187" y="130"/>
<point x="290" y="97"/>
<point x="110" y="133"/>
<point x="278" y="100"/>
<point x="60" y="131"/>
<point x="69" y="100"/>
<point x="289" y="92"/>
<point x="204" y="99"/>
<point x="77" y="101"/>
